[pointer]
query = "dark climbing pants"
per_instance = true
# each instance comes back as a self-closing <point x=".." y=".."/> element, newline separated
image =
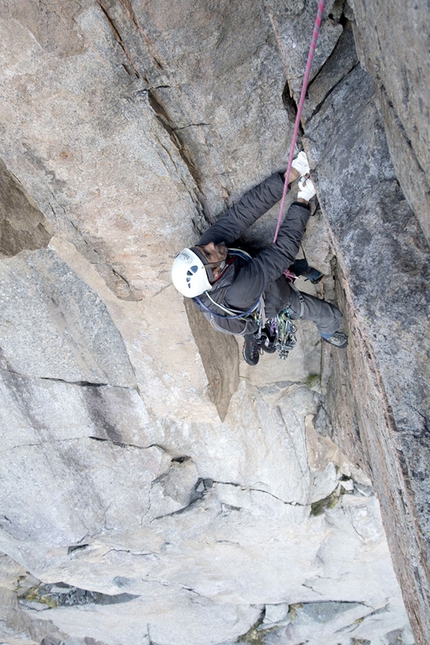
<point x="326" y="316"/>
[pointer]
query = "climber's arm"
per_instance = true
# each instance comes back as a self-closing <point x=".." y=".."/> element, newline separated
<point x="249" y="208"/>
<point x="271" y="262"/>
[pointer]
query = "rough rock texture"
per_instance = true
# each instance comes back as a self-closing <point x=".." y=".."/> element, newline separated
<point x="374" y="228"/>
<point x="393" y="46"/>
<point x="155" y="489"/>
<point x="22" y="226"/>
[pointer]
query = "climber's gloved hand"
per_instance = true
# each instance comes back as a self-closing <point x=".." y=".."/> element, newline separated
<point x="306" y="189"/>
<point x="300" y="163"/>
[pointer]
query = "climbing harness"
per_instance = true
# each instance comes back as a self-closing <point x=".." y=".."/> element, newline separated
<point x="228" y="313"/>
<point x="254" y="313"/>
<point x="315" y="35"/>
<point x="276" y="334"/>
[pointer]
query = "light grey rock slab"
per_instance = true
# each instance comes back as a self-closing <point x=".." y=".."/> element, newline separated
<point x="355" y="535"/>
<point x="279" y="422"/>
<point x="41" y="498"/>
<point x="174" y="490"/>
<point x="37" y="410"/>
<point x="54" y="326"/>
<point x="343" y="551"/>
<point x="275" y="615"/>
<point x="18" y="628"/>
<point x="10" y="572"/>
<point x="323" y="483"/>
<point x="185" y="619"/>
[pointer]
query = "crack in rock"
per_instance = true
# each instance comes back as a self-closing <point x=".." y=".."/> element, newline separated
<point x="260" y="490"/>
<point x="122" y="444"/>
<point x="118" y="38"/>
<point x="320" y="105"/>
<point x="60" y="380"/>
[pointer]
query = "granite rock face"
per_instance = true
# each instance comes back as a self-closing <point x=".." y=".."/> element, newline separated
<point x="375" y="231"/>
<point x="155" y="489"/>
<point x="392" y="47"/>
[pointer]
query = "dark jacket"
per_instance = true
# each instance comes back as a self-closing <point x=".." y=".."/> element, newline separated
<point x="242" y="284"/>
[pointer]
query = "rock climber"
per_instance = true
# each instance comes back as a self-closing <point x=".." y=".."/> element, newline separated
<point x="231" y="288"/>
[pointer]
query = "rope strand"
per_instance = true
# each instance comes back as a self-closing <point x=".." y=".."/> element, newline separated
<point x="315" y="35"/>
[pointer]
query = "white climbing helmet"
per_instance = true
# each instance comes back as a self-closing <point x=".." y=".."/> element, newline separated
<point x="189" y="274"/>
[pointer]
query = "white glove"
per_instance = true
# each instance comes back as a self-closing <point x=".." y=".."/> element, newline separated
<point x="306" y="189"/>
<point x="300" y="163"/>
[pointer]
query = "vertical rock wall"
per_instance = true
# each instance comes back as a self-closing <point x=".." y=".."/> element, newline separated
<point x="365" y="141"/>
<point x="155" y="489"/>
<point x="393" y="47"/>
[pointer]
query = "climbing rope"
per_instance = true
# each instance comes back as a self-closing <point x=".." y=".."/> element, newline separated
<point x="315" y="35"/>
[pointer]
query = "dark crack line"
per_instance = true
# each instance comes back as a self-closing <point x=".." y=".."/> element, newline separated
<point x="359" y="621"/>
<point x="121" y="277"/>
<point x="195" y="502"/>
<point x="400" y="125"/>
<point x="80" y="383"/>
<point x="60" y="380"/>
<point x="150" y="89"/>
<point x="37" y="444"/>
<point x="165" y="121"/>
<point x="334" y="53"/>
<point x="121" y="444"/>
<point x="259" y="490"/>
<point x="133" y="553"/>
<point x="118" y="38"/>
<point x="190" y="125"/>
<point x="331" y="90"/>
<point x="312" y="589"/>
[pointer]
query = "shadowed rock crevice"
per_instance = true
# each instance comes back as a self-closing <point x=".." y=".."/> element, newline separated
<point x="171" y="130"/>
<point x="340" y="63"/>
<point x="62" y="595"/>
<point x="220" y="358"/>
<point x="22" y="225"/>
<point x="119" y="39"/>
<point x="377" y="384"/>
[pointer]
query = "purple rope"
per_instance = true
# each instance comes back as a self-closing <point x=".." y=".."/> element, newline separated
<point x="300" y="108"/>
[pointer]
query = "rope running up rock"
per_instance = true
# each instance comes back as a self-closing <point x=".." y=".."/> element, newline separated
<point x="315" y="35"/>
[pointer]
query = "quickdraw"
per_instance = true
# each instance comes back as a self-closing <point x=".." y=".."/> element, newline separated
<point x="284" y="331"/>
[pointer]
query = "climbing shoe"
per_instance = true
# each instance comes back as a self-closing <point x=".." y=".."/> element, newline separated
<point x="251" y="349"/>
<point x="339" y="339"/>
<point x="313" y="275"/>
<point x="267" y="342"/>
